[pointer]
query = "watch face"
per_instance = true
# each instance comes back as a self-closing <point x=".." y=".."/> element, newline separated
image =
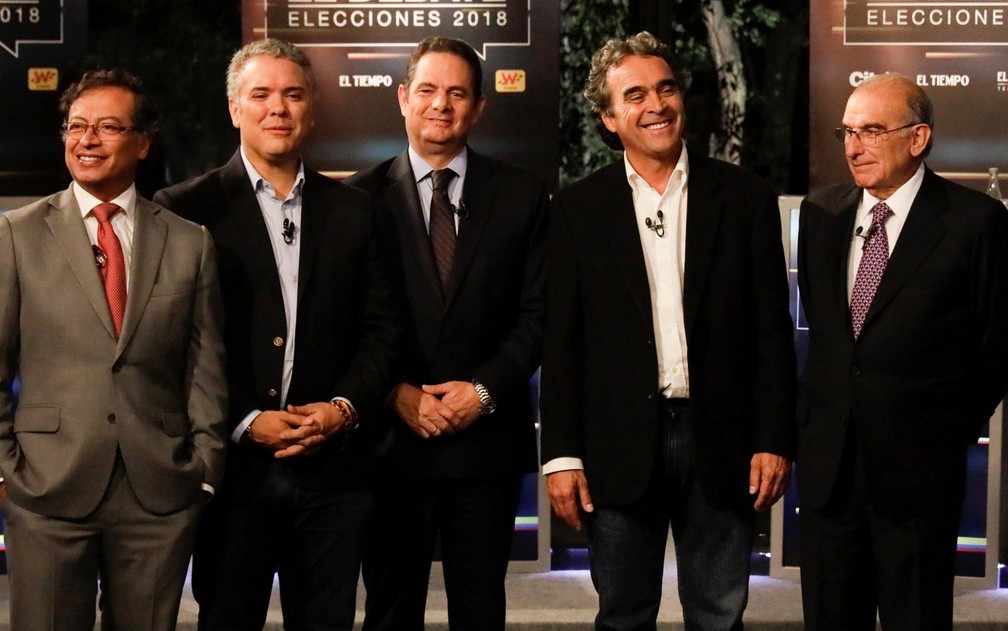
<point x="489" y="407"/>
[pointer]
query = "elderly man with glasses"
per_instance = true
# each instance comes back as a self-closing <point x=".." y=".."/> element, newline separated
<point x="903" y="280"/>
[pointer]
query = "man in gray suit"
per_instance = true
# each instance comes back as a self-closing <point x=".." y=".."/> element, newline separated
<point x="111" y="318"/>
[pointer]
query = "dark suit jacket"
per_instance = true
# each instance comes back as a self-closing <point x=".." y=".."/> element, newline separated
<point x="156" y="395"/>
<point x="488" y="328"/>
<point x="929" y="367"/>
<point x="600" y="396"/>
<point x="346" y="321"/>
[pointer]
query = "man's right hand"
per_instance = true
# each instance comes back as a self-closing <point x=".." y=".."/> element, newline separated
<point x="266" y="428"/>
<point x="425" y="414"/>
<point x="568" y="493"/>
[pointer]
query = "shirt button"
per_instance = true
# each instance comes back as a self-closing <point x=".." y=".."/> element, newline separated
<point x="111" y="418"/>
<point x="277" y="341"/>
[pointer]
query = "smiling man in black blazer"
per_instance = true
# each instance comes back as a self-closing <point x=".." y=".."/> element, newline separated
<point x="310" y="334"/>
<point x="668" y="365"/>
<point x="469" y="268"/>
<point x="895" y="390"/>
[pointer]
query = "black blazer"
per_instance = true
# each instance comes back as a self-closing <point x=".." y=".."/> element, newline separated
<point x="929" y="367"/>
<point x="346" y="320"/>
<point x="600" y="398"/>
<point x="489" y="326"/>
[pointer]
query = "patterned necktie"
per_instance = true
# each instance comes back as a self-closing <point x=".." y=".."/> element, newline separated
<point x="874" y="258"/>
<point x="113" y="268"/>
<point x="442" y="225"/>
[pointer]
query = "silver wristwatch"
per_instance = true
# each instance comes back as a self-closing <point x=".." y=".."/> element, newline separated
<point x="487" y="405"/>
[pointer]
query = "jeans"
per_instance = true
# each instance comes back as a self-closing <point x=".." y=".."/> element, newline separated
<point x="627" y="545"/>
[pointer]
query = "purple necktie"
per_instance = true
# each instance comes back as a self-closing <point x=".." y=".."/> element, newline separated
<point x="874" y="258"/>
<point x="113" y="268"/>
<point x="442" y="225"/>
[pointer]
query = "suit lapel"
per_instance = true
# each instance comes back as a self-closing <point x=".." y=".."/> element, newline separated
<point x="404" y="202"/>
<point x="149" y="236"/>
<point x="478" y="197"/>
<point x="703" y="214"/>
<point x="921" y="232"/>
<point x="314" y="215"/>
<point x="618" y="236"/>
<point x="246" y="224"/>
<point x="68" y="230"/>
<point x="838" y="226"/>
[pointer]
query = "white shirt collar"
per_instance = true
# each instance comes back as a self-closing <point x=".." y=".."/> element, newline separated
<point x="257" y="179"/>
<point x="86" y="201"/>
<point x="421" y="169"/>
<point x="900" y="201"/>
<point x="636" y="181"/>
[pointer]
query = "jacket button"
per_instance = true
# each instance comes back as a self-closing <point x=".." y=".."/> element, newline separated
<point x="277" y="341"/>
<point x="843" y="419"/>
<point x="111" y="418"/>
<point x="855" y="371"/>
<point x="650" y="397"/>
<point x="272" y="392"/>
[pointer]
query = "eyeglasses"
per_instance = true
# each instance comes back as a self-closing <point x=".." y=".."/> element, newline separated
<point x="104" y="130"/>
<point x="867" y="137"/>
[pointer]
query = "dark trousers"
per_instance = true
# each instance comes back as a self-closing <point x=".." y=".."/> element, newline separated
<point x="856" y="560"/>
<point x="713" y="546"/>
<point x="475" y="522"/>
<point x="313" y="540"/>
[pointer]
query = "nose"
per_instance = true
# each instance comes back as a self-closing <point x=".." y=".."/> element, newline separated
<point x="277" y="105"/>
<point x="441" y="101"/>
<point x="90" y="137"/>
<point x="654" y="101"/>
<point x="852" y="146"/>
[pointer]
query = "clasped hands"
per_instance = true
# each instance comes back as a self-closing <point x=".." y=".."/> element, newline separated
<point x="299" y="430"/>
<point x="436" y="410"/>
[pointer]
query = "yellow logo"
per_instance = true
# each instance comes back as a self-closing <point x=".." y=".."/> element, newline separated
<point x="510" y="80"/>
<point x="46" y="79"/>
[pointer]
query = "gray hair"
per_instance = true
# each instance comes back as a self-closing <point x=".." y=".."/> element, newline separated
<point x="612" y="53"/>
<point x="918" y="103"/>
<point x="268" y="47"/>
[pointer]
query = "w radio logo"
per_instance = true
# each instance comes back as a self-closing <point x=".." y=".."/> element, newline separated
<point x="510" y="80"/>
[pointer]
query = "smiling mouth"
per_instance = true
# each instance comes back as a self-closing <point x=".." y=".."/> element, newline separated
<point x="655" y="126"/>
<point x="89" y="159"/>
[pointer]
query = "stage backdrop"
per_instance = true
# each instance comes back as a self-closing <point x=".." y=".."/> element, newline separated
<point x="957" y="50"/>
<point x="360" y="48"/>
<point x="37" y="40"/>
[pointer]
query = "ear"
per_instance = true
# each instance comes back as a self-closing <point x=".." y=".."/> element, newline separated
<point x="478" y="109"/>
<point x="921" y="137"/>
<point x="145" y="145"/>
<point x="608" y="121"/>
<point x="233" y="108"/>
<point x="403" y="94"/>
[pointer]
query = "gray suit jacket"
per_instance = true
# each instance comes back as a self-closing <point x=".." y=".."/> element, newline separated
<point x="157" y="394"/>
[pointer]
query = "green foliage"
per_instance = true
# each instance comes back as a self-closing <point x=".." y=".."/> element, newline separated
<point x="584" y="26"/>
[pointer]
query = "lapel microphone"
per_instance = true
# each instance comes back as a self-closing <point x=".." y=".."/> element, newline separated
<point x="288" y="231"/>
<point x="99" y="256"/>
<point x="460" y="210"/>
<point x="866" y="234"/>
<point x="658" y="226"/>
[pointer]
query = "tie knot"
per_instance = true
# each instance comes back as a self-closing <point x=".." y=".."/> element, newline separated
<point x="881" y="212"/>
<point x="442" y="178"/>
<point x="104" y="212"/>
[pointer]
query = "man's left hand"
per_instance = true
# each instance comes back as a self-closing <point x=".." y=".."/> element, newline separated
<point x="460" y="396"/>
<point x="768" y="477"/>
<point x="325" y="419"/>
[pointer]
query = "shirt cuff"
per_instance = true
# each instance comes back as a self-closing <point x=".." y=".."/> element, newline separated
<point x="236" y="435"/>
<point x="562" y="464"/>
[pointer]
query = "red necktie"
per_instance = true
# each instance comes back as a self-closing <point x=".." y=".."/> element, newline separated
<point x="874" y="258"/>
<point x="442" y="225"/>
<point x="113" y="268"/>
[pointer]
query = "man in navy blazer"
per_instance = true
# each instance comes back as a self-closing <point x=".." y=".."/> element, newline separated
<point x="668" y="364"/>
<point x="310" y="333"/>
<point x="892" y="397"/>
<point x="461" y="419"/>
